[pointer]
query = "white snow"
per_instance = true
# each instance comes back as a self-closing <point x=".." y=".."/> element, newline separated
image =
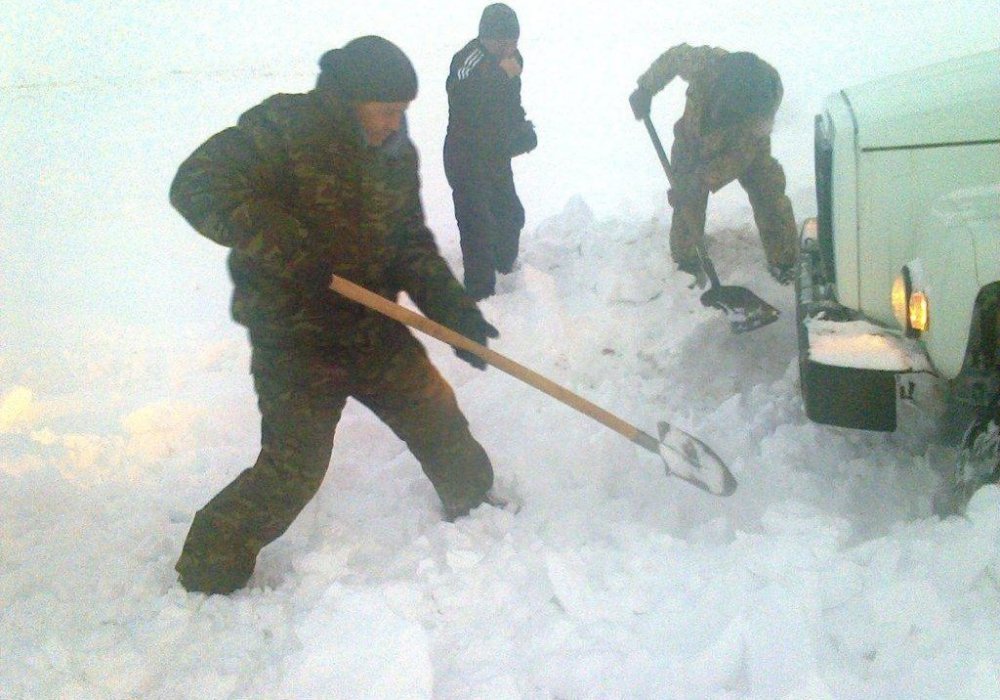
<point x="863" y="345"/>
<point x="126" y="403"/>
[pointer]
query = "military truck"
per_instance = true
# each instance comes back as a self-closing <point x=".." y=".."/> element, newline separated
<point x="898" y="285"/>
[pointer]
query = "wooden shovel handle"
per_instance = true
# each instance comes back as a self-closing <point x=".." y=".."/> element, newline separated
<point x="393" y="310"/>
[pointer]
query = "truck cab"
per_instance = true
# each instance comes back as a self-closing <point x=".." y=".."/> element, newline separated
<point x="899" y="273"/>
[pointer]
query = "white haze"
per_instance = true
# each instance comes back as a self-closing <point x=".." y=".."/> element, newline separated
<point x="125" y="401"/>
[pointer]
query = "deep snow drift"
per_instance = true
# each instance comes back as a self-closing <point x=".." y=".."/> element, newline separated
<point x="125" y="401"/>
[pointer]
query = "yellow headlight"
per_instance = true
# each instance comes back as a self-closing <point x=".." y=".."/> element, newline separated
<point x="900" y="293"/>
<point x="910" y="307"/>
<point x="919" y="312"/>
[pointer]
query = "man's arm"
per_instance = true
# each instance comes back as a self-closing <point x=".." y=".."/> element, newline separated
<point x="681" y="60"/>
<point x="420" y="270"/>
<point x="229" y="190"/>
<point x="418" y="267"/>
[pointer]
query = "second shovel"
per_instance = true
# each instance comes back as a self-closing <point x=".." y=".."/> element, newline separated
<point x="746" y="311"/>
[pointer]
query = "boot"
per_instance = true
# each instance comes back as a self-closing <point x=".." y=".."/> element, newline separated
<point x="453" y="511"/>
<point x="693" y="267"/>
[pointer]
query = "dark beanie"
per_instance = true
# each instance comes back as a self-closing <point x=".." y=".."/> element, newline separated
<point x="499" y="22"/>
<point x="368" y="69"/>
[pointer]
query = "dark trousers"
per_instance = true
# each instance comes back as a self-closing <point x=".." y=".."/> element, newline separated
<point x="301" y="398"/>
<point x="489" y="216"/>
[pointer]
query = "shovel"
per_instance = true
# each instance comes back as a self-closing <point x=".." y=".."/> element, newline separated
<point x="746" y="311"/>
<point x="683" y="455"/>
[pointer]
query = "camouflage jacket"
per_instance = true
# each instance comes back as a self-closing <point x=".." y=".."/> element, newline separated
<point x="715" y="156"/>
<point x="296" y="194"/>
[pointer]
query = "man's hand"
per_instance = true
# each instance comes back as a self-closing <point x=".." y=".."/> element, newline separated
<point x="641" y="101"/>
<point x="474" y="327"/>
<point x="511" y="66"/>
<point x="522" y="139"/>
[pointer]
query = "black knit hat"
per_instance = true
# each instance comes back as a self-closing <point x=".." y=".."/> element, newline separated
<point x="368" y="69"/>
<point x="499" y="22"/>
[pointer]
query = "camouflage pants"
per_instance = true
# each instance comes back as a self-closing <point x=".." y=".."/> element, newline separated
<point x="301" y="398"/>
<point x="489" y="216"/>
<point x="764" y="182"/>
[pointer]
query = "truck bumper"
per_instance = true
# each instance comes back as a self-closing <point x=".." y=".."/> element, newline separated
<point x="848" y="397"/>
<point x="849" y="367"/>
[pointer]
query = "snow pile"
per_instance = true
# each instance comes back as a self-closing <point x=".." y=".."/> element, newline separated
<point x="824" y="576"/>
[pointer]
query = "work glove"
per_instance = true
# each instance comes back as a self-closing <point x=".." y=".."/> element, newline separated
<point x="522" y="139"/>
<point x="641" y="101"/>
<point x="474" y="327"/>
<point x="686" y="191"/>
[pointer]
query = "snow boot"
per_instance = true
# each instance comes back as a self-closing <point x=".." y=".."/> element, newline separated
<point x="454" y="511"/>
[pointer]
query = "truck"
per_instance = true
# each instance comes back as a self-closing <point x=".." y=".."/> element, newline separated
<point x="898" y="278"/>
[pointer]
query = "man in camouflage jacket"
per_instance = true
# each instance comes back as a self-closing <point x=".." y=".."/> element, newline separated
<point x="723" y="135"/>
<point x="305" y="186"/>
<point x="486" y="128"/>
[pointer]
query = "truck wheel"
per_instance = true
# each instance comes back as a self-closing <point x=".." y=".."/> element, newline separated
<point x="978" y="462"/>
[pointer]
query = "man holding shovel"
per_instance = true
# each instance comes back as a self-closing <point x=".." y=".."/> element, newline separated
<point x="723" y="135"/>
<point x="306" y="186"/>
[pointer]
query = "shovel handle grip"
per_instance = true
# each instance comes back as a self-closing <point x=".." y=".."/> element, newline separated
<point x="410" y="318"/>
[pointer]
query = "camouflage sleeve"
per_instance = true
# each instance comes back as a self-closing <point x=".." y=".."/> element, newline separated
<point x="726" y="155"/>
<point x="681" y="60"/>
<point x="418" y="267"/>
<point x="229" y="191"/>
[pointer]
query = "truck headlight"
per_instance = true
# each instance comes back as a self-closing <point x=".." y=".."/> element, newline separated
<point x="919" y="311"/>
<point x="910" y="307"/>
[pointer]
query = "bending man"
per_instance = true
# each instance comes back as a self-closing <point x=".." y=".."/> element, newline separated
<point x="723" y="135"/>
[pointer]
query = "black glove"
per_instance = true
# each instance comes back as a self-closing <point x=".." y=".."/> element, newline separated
<point x="522" y="139"/>
<point x="474" y="327"/>
<point x="641" y="101"/>
<point x="686" y="191"/>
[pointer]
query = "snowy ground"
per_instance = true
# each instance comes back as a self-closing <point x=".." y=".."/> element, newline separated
<point x="125" y="401"/>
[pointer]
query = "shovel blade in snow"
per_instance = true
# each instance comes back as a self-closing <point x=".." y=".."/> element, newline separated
<point x="746" y="310"/>
<point x="690" y="459"/>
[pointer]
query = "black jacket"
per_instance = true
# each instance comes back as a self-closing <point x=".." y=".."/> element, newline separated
<point x="485" y="115"/>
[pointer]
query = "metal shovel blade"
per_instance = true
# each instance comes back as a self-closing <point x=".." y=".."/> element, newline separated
<point x="690" y="459"/>
<point x="746" y="311"/>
